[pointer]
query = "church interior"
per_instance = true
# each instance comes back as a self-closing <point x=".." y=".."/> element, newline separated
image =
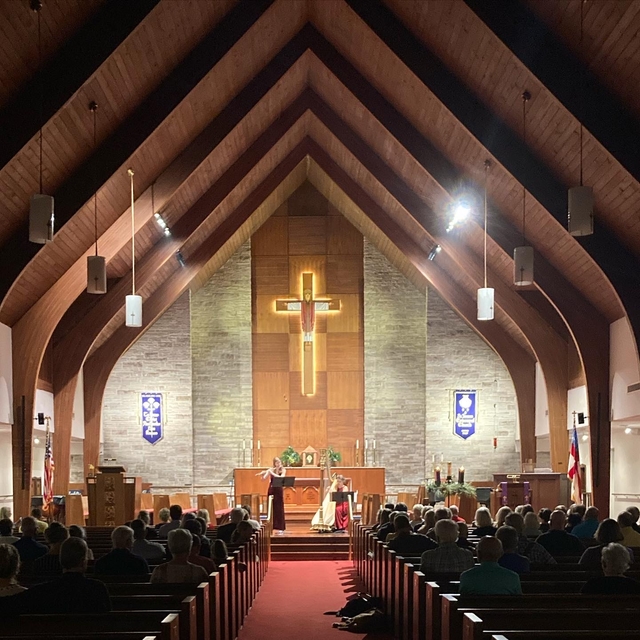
<point x="395" y="241"/>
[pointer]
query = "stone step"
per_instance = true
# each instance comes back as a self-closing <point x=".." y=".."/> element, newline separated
<point x="303" y="547"/>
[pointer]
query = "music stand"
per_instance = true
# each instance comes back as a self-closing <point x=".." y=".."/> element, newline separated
<point x="342" y="496"/>
<point x="286" y="481"/>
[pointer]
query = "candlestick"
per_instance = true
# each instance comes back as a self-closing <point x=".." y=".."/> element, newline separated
<point x="357" y="444"/>
<point x="449" y="465"/>
<point x="438" y="476"/>
<point x="461" y="475"/>
<point x="258" y="445"/>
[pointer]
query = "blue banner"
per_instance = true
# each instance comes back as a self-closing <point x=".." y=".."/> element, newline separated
<point x="152" y="416"/>
<point x="465" y="412"/>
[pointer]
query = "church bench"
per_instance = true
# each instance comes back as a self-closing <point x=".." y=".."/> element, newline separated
<point x="164" y="625"/>
<point x="454" y="606"/>
<point x="483" y="623"/>
<point x="99" y="635"/>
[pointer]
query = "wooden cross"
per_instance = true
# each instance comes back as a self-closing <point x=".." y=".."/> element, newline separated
<point x="307" y="307"/>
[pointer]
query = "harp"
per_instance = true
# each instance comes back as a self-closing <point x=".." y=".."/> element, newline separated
<point x="319" y="523"/>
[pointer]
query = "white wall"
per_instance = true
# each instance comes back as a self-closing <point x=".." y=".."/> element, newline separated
<point x="77" y="425"/>
<point x="6" y="376"/>
<point x="624" y="371"/>
<point x="624" y="469"/>
<point x="542" y="404"/>
<point x="44" y="404"/>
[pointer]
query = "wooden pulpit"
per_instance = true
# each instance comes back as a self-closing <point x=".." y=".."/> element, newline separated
<point x="113" y="498"/>
<point x="515" y="494"/>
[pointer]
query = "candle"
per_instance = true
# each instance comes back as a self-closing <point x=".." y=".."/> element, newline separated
<point x="438" y="477"/>
<point x="442" y="457"/>
<point x="366" y="444"/>
<point x="374" y="443"/>
<point x="461" y="475"/>
<point x="433" y="458"/>
<point x="448" y="469"/>
<point x="258" y="445"/>
<point x="244" y="445"/>
<point x="357" y="444"/>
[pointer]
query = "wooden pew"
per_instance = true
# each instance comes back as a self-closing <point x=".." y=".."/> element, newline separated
<point x="567" y="635"/>
<point x="484" y="623"/>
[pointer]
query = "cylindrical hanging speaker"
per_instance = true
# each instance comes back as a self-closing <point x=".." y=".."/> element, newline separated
<point x="133" y="310"/>
<point x="96" y="274"/>
<point x="580" y="220"/>
<point x="41" y="220"/>
<point x="485" y="303"/>
<point x="523" y="266"/>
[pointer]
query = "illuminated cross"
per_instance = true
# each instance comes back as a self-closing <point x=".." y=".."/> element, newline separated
<point x="307" y="307"/>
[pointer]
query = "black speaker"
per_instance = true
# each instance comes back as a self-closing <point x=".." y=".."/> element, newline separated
<point x="37" y="502"/>
<point x="483" y="495"/>
<point x="41" y="418"/>
<point x="58" y="500"/>
<point x="581" y="419"/>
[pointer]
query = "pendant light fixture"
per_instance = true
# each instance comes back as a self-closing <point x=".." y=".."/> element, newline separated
<point x="523" y="255"/>
<point x="41" y="219"/>
<point x="133" y="306"/>
<point x="580" y="212"/>
<point x="96" y="265"/>
<point x="485" y="294"/>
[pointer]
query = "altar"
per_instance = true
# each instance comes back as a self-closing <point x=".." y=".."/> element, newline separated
<point x="307" y="488"/>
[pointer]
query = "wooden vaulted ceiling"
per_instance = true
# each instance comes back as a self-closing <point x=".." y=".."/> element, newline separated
<point x="401" y="101"/>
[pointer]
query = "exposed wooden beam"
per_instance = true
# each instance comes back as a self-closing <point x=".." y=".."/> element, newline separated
<point x="565" y="76"/>
<point x="77" y="60"/>
<point x="115" y="150"/>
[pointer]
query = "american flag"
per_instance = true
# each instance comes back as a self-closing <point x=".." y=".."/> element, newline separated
<point x="47" y="492"/>
<point x="574" y="469"/>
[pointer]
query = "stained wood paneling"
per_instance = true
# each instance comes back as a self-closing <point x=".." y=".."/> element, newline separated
<point x="265" y="317"/>
<point x="295" y="351"/>
<point x="344" y="238"/>
<point x="307" y="235"/>
<point x="272" y="238"/>
<point x="270" y="352"/>
<point x="344" y="274"/>
<point x="306" y="201"/>
<point x="346" y="390"/>
<point x="308" y="428"/>
<point x="270" y="427"/>
<point x="270" y="275"/>
<point x="270" y="390"/>
<point x="316" y="265"/>
<point x="345" y="352"/>
<point x="350" y="317"/>
<point x="300" y="402"/>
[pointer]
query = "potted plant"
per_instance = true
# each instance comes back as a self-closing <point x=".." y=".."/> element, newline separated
<point x="290" y="457"/>
<point x="334" y="456"/>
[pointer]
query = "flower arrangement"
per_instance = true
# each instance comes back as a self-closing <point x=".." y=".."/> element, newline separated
<point x="452" y="489"/>
<point x="290" y="457"/>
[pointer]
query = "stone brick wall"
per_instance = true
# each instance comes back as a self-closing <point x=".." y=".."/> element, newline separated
<point x="395" y="341"/>
<point x="417" y="352"/>
<point x="221" y="348"/>
<point x="159" y="361"/>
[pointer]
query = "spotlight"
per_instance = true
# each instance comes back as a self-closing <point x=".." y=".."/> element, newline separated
<point x="434" y="252"/>
<point x="585" y="437"/>
<point x="36" y="441"/>
<point x="460" y="213"/>
<point x="167" y="232"/>
<point x="628" y="430"/>
<point x="180" y="259"/>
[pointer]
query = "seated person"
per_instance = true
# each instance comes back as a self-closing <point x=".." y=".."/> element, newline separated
<point x="41" y="524"/>
<point x="536" y="553"/>
<point x="389" y="529"/>
<point x="608" y="531"/>
<point x="164" y="515"/>
<point x="573" y="520"/>
<point x="220" y="552"/>
<point x="630" y="537"/>
<point x="635" y="514"/>
<point x="385" y="527"/>
<point x="27" y="546"/>
<point x="49" y="564"/>
<point x="489" y="578"/>
<point x="204" y="514"/>
<point x="150" y="551"/>
<point x="175" y="512"/>
<point x="9" y="568"/>
<point x="179" y="569"/>
<point x="254" y="523"/>
<point x="463" y="537"/>
<point x="544" y="515"/>
<point x="196" y="557"/>
<point x="152" y="532"/>
<point x="503" y="512"/>
<point x="416" y="516"/>
<point x="441" y="513"/>
<point x="6" y="513"/>
<point x="557" y="541"/>
<point x="382" y="518"/>
<point x="429" y="517"/>
<point x="6" y="532"/>
<point x="510" y="558"/>
<point x="197" y="529"/>
<point x="448" y="557"/>
<point x="120" y="561"/>
<point x="76" y="531"/>
<point x="455" y="514"/>
<point x="589" y="525"/>
<point x="615" y="561"/>
<point x="402" y="507"/>
<point x="408" y="543"/>
<point x="531" y="525"/>
<point x="243" y="533"/>
<point x="226" y="530"/>
<point x="70" y="593"/>
<point x="484" y="523"/>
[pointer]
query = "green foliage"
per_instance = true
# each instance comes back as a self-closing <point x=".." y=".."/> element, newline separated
<point x="452" y="489"/>
<point x="334" y="456"/>
<point x="290" y="457"/>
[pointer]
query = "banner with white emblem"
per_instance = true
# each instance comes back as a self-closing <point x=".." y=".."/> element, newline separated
<point x="465" y="413"/>
<point x="152" y="416"/>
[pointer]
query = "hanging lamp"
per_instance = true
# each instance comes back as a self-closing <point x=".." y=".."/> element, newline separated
<point x="485" y="294"/>
<point x="133" y="302"/>
<point x="523" y="255"/>
<point x="41" y="217"/>
<point x="96" y="265"/>
<point x="581" y="201"/>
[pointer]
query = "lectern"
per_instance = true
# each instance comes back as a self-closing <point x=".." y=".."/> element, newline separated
<point x="113" y="498"/>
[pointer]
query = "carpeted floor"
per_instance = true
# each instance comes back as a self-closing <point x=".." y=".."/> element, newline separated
<point x="294" y="597"/>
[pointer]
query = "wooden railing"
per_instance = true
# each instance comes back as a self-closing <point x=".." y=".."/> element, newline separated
<point x="351" y="528"/>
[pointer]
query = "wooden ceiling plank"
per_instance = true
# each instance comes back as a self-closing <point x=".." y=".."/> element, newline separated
<point x="156" y="107"/>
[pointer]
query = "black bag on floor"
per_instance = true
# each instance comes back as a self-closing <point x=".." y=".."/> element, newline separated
<point x="361" y="603"/>
<point x="367" y="622"/>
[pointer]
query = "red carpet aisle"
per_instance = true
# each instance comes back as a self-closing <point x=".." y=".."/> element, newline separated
<point x="294" y="597"/>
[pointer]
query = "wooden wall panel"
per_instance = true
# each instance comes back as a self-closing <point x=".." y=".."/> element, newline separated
<point x="307" y="235"/>
<point x="270" y="352"/>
